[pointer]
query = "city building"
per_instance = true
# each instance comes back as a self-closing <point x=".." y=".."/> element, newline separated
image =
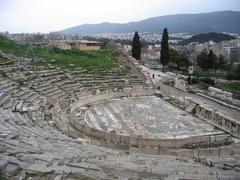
<point x="86" y="45"/>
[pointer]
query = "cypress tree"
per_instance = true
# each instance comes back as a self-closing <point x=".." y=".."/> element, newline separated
<point x="136" y="46"/>
<point x="221" y="62"/>
<point x="164" y="49"/>
<point x="212" y="60"/>
<point x="202" y="60"/>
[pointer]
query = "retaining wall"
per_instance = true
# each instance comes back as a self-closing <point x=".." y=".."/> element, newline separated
<point x="227" y="124"/>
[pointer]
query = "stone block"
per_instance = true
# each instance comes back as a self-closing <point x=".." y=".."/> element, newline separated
<point x="101" y="134"/>
<point x="78" y="126"/>
<point x="225" y="152"/>
<point x="24" y="108"/>
<point x="227" y="94"/>
<point x="75" y="134"/>
<point x="125" y="140"/>
<point x="212" y="139"/>
<point x="208" y="152"/>
<point x="133" y="141"/>
<point x="236" y="102"/>
<point x="3" y="166"/>
<point x="3" y="148"/>
<point x="216" y="90"/>
<point x="94" y="133"/>
<point x="87" y="130"/>
<point x="97" y="134"/>
<point x="147" y="150"/>
<point x="12" y="169"/>
<point x="115" y="138"/>
<point x="221" y="138"/>
<point x="107" y="136"/>
<point x="212" y="94"/>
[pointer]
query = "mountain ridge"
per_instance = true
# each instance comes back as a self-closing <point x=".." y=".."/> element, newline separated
<point x="220" y="21"/>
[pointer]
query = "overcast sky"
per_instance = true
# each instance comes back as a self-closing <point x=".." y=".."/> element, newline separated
<point x="52" y="15"/>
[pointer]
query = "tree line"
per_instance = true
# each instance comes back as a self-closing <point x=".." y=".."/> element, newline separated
<point x="206" y="60"/>
<point x="167" y="55"/>
<point x="210" y="61"/>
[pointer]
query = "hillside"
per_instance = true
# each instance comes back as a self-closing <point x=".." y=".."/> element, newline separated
<point x="212" y="36"/>
<point x="223" y="21"/>
<point x="102" y="59"/>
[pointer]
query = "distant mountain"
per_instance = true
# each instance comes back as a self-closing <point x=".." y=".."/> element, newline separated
<point x="212" y="36"/>
<point x="223" y="21"/>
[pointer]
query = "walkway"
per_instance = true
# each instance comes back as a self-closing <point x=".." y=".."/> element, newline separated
<point x="171" y="91"/>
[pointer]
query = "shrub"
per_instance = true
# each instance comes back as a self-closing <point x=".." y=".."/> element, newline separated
<point x="208" y="81"/>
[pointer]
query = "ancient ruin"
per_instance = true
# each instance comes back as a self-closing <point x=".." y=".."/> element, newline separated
<point x="58" y="123"/>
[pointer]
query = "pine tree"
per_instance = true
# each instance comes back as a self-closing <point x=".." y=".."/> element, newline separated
<point x="164" y="49"/>
<point x="178" y="59"/>
<point x="136" y="46"/>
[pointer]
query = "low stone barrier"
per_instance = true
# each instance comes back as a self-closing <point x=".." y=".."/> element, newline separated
<point x="109" y="94"/>
<point x="188" y="142"/>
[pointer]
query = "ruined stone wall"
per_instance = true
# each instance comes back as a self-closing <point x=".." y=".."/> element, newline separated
<point x="219" y="120"/>
<point x="229" y="125"/>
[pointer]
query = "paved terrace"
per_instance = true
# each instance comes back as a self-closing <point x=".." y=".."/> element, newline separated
<point x="147" y="117"/>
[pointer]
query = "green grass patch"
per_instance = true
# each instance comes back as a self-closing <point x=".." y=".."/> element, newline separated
<point x="208" y="74"/>
<point x="9" y="46"/>
<point x="230" y="86"/>
<point x="3" y="177"/>
<point x="2" y="74"/>
<point x="38" y="175"/>
<point x="102" y="59"/>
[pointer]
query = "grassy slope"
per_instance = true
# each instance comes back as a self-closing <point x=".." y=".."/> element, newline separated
<point x="88" y="60"/>
<point x="102" y="59"/>
<point x="232" y="87"/>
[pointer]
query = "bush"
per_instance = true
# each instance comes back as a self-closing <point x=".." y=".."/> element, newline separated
<point x="233" y="73"/>
<point x="2" y="73"/>
<point x="194" y="80"/>
<point x="232" y="76"/>
<point x="208" y="81"/>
